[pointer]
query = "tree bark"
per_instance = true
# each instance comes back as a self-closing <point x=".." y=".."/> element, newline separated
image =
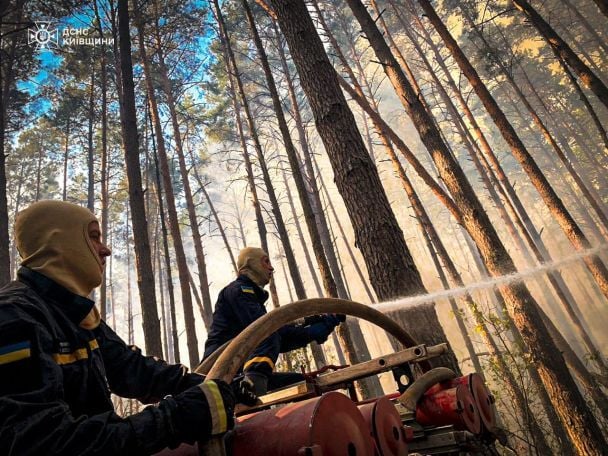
<point x="7" y="80"/>
<point x="572" y="409"/>
<point x="377" y="233"/>
<point x="603" y="6"/>
<point x="276" y="211"/>
<point x="519" y="151"/>
<point x="328" y="281"/>
<point x="104" y="158"/>
<point x="180" y="256"/>
<point x="351" y="255"/>
<point x="145" y="275"/>
<point x="313" y="190"/>
<point x="66" y="157"/>
<point x="564" y="51"/>
<point x="177" y="137"/>
<point x="259" y="218"/>
<point x="292" y="207"/>
<point x="167" y="254"/>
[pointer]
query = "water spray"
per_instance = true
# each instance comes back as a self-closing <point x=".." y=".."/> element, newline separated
<point x="489" y="283"/>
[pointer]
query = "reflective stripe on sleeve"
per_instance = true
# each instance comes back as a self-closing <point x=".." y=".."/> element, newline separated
<point x="219" y="420"/>
<point x="259" y="359"/>
<point x="76" y="355"/>
<point x="15" y="352"/>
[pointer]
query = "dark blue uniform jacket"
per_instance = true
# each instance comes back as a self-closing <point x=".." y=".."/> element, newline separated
<point x="56" y="377"/>
<point x="238" y="305"/>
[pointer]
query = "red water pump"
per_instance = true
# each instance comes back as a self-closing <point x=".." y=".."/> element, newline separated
<point x="438" y="413"/>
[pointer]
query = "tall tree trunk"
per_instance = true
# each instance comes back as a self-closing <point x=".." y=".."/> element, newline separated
<point x="554" y="204"/>
<point x="518" y="213"/>
<point x="377" y="233"/>
<point x="587" y="26"/>
<point x="7" y="80"/>
<point x="354" y="344"/>
<point x="145" y="276"/>
<point x="328" y="281"/>
<point x="130" y="333"/>
<point x="599" y="126"/>
<point x="66" y="157"/>
<point x="311" y="268"/>
<point x="104" y="157"/>
<point x="13" y="259"/>
<point x="558" y="126"/>
<point x="450" y="359"/>
<point x="566" y="298"/>
<point x="167" y="254"/>
<point x="537" y="434"/>
<point x="163" y="310"/>
<point x="276" y="211"/>
<point x="177" y="137"/>
<point x="90" y="163"/>
<point x="259" y="218"/>
<point x="180" y="256"/>
<point x="572" y="409"/>
<point x="593" y="201"/>
<point x="284" y="271"/>
<point x="351" y="254"/>
<point x="564" y="51"/>
<point x="313" y="189"/>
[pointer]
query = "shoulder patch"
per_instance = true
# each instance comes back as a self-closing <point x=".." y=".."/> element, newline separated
<point x="15" y="352"/>
<point x="246" y="289"/>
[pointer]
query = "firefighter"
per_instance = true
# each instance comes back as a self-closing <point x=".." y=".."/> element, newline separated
<point x="240" y="303"/>
<point x="59" y="361"/>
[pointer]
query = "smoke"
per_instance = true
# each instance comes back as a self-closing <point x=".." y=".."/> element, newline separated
<point x="489" y="283"/>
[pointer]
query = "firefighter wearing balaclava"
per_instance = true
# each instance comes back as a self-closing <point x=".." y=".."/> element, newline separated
<point x="59" y="361"/>
<point x="240" y="303"/>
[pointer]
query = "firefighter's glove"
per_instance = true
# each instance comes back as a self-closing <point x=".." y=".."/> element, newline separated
<point x="319" y="332"/>
<point x="341" y="317"/>
<point x="199" y="412"/>
<point x="333" y="320"/>
<point x="245" y="392"/>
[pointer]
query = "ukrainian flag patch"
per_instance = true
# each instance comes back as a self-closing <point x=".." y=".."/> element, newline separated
<point x="248" y="289"/>
<point x="15" y="352"/>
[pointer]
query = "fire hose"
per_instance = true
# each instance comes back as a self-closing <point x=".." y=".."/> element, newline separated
<point x="232" y="355"/>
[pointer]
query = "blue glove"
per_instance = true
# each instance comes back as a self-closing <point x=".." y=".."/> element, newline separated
<point x="321" y="330"/>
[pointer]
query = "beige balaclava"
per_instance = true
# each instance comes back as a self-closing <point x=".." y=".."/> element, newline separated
<point x="52" y="238"/>
<point x="249" y="263"/>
